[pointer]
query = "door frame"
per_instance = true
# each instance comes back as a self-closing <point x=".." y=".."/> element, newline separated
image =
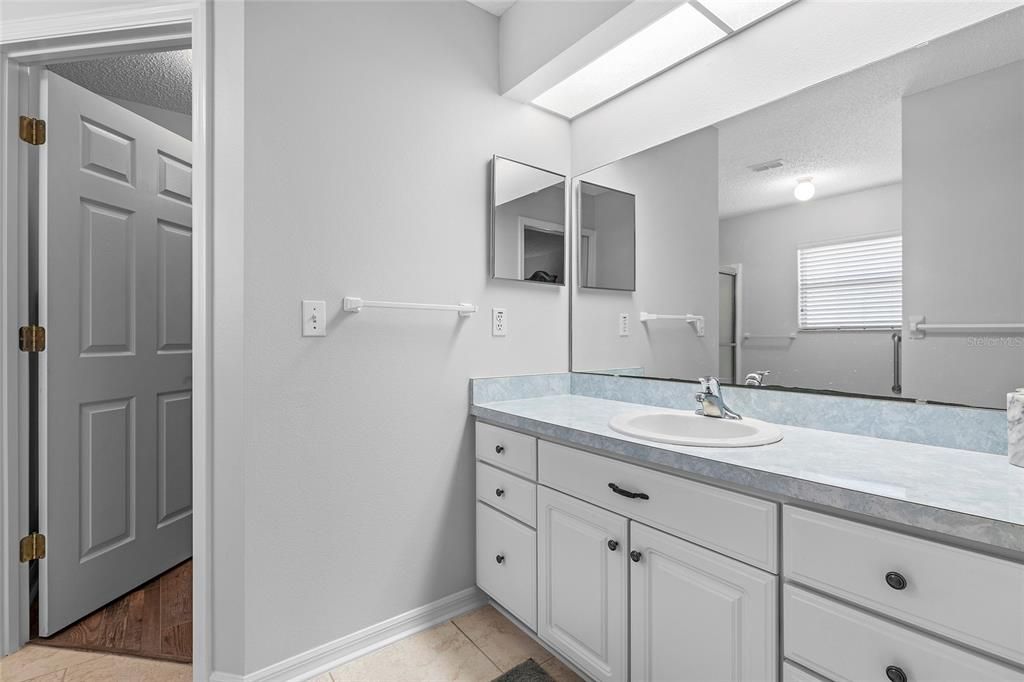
<point x="736" y="271"/>
<point x="68" y="36"/>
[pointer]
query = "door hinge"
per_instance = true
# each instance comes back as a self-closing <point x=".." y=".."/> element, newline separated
<point x="32" y="338"/>
<point x="32" y="130"/>
<point x="33" y="546"/>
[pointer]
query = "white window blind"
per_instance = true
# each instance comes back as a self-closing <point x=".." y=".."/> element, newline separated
<point x="852" y="285"/>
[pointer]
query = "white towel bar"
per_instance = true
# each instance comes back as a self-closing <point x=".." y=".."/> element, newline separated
<point x="696" y="320"/>
<point x="918" y="327"/>
<point x="354" y="304"/>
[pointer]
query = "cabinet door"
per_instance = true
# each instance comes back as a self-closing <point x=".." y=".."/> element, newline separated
<point x="582" y="583"/>
<point x="697" y="615"/>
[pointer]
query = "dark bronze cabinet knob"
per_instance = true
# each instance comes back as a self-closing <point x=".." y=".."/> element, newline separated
<point x="895" y="674"/>
<point x="500" y="558"/>
<point x="635" y="556"/>
<point x="613" y="545"/>
<point x="499" y="449"/>
<point x="895" y="580"/>
<point x="499" y="492"/>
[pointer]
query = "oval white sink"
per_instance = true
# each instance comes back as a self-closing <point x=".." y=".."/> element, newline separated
<point x="689" y="428"/>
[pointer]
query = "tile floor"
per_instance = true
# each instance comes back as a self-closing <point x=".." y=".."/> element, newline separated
<point x="51" y="664"/>
<point x="475" y="647"/>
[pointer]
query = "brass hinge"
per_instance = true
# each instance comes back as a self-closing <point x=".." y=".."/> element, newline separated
<point x="33" y="546"/>
<point x="32" y="130"/>
<point x="32" y="338"/>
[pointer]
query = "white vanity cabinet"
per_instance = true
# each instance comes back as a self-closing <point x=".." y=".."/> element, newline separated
<point x="639" y="574"/>
<point x="630" y="573"/>
<point x="583" y="587"/>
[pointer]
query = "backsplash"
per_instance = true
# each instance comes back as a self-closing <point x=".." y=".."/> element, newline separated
<point x="965" y="428"/>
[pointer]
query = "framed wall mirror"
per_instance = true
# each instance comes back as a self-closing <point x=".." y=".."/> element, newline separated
<point x="862" y="236"/>
<point x="528" y="235"/>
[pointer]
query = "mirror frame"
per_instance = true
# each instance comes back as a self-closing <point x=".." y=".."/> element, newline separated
<point x="566" y="243"/>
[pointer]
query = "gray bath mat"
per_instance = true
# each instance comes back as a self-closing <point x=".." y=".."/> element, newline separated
<point x="527" y="671"/>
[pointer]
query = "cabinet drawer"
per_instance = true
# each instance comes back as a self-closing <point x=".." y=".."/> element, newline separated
<point x="507" y="492"/>
<point x="843" y="643"/>
<point x="506" y="563"/>
<point x="791" y="673"/>
<point x="730" y="523"/>
<point x="966" y="596"/>
<point x="506" y="449"/>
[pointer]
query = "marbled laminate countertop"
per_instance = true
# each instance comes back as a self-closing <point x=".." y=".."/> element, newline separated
<point x="970" y="495"/>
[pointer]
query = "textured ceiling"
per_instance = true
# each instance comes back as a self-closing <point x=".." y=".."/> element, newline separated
<point x="159" y="79"/>
<point x="846" y="132"/>
<point x="495" y="7"/>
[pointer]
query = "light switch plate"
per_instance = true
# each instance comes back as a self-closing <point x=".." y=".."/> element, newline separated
<point x="623" y="324"/>
<point x="314" y="318"/>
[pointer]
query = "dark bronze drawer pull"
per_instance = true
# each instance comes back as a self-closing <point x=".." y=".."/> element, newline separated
<point x="628" y="493"/>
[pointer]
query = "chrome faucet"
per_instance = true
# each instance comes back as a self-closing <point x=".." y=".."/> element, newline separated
<point x="757" y="378"/>
<point x="709" y="400"/>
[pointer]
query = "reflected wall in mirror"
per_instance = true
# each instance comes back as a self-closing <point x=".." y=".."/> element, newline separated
<point x="528" y="235"/>
<point x="916" y="164"/>
<point x="607" y="238"/>
<point x="676" y="258"/>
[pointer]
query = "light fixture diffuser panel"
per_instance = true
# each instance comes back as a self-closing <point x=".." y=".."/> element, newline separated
<point x="740" y="13"/>
<point x="666" y="42"/>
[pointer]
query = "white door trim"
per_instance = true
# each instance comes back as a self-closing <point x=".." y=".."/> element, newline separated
<point x="54" y="38"/>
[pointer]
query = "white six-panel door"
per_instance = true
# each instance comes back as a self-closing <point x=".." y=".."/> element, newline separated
<point x="582" y="560"/>
<point x="115" y="402"/>
<point x="697" y="616"/>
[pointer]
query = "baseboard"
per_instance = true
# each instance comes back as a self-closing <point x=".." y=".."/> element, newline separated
<point x="226" y="677"/>
<point x="328" y="656"/>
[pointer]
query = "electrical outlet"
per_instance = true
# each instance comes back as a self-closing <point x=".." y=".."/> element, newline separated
<point x="499" y="322"/>
<point x="314" y="318"/>
<point x="623" y="324"/>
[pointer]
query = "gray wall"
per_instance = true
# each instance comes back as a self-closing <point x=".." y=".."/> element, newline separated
<point x="358" y="446"/>
<point x="765" y="243"/>
<point x="963" y="226"/>
<point x="676" y="188"/>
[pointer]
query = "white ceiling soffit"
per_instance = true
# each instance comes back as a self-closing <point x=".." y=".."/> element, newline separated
<point x="495" y="7"/>
<point x="808" y="43"/>
<point x="159" y="79"/>
<point x="846" y="133"/>
<point x="670" y="39"/>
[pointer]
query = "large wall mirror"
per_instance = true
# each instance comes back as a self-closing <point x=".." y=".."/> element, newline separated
<point x="528" y="235"/>
<point x="863" y="236"/>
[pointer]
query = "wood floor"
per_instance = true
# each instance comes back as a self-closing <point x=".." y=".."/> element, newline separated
<point x="154" y="621"/>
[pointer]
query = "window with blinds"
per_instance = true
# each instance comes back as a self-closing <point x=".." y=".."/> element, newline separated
<point x="852" y="285"/>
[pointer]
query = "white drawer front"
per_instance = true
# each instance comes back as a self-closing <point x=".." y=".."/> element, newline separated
<point x="791" y="673"/>
<point x="968" y="597"/>
<point x="730" y="523"/>
<point x="843" y="643"/>
<point x="507" y="449"/>
<point x="507" y="492"/>
<point x="506" y="563"/>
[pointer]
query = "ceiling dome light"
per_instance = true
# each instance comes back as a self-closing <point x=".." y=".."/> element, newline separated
<point x="804" y="189"/>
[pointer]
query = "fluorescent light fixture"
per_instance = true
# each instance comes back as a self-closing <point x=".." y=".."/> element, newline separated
<point x="666" y="42"/>
<point x="739" y="13"/>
